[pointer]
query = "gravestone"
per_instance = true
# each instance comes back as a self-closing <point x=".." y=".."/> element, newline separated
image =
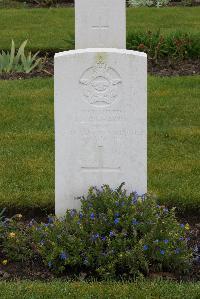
<point x="100" y="24"/>
<point x="100" y="121"/>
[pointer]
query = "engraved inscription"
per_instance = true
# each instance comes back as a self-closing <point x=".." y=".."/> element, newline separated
<point x="101" y="25"/>
<point x="91" y="132"/>
<point x="101" y="115"/>
<point x="100" y="85"/>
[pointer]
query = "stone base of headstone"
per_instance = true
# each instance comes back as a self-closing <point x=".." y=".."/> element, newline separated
<point x="100" y="122"/>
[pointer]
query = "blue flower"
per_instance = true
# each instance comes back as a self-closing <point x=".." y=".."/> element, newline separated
<point x="135" y="198"/>
<point x="135" y="222"/>
<point x="92" y="216"/>
<point x="42" y="242"/>
<point x="116" y="221"/>
<point x="62" y="219"/>
<point x="80" y="215"/>
<point x="103" y="238"/>
<point x="181" y="238"/>
<point x="122" y="203"/>
<point x="162" y="251"/>
<point x="50" y="219"/>
<point x="166" y="241"/>
<point x="197" y="259"/>
<point x="72" y="213"/>
<point x="117" y="214"/>
<point x="31" y="223"/>
<point x="177" y="250"/>
<point x="143" y="197"/>
<point x="63" y="256"/>
<point x="95" y="236"/>
<point x="111" y="234"/>
<point x="134" y="201"/>
<point x="79" y="222"/>
<point x="50" y="264"/>
<point x="117" y="203"/>
<point x="182" y="225"/>
<point x="165" y="210"/>
<point x="188" y="238"/>
<point x="145" y="247"/>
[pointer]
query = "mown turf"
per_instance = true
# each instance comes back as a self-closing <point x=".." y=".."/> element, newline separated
<point x="174" y="139"/>
<point x="49" y="29"/>
<point x="27" y="142"/>
<point x="81" y="290"/>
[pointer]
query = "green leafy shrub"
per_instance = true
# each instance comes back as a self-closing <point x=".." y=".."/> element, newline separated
<point x="149" y="3"/>
<point x="175" y="46"/>
<point x="15" y="240"/>
<point x="113" y="235"/>
<point x="187" y="2"/>
<point x="47" y="3"/>
<point x="18" y="62"/>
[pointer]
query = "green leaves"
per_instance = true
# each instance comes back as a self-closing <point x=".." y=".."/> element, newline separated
<point x="2" y="214"/>
<point x="176" y="45"/>
<point x="149" y="3"/>
<point x="114" y="235"/>
<point x="9" y="62"/>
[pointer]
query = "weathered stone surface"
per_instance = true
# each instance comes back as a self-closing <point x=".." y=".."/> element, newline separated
<point x="100" y="24"/>
<point x="100" y="122"/>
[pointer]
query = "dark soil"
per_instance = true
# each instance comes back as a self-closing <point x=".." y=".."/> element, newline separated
<point x="163" y="67"/>
<point x="34" y="271"/>
<point x="46" y="71"/>
<point x="170" y="68"/>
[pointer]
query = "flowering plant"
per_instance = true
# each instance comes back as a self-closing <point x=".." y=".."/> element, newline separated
<point x="114" y="235"/>
<point x="16" y="240"/>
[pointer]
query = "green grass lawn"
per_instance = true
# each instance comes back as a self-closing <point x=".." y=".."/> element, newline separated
<point x="50" y="28"/>
<point x="80" y="290"/>
<point x="27" y="142"/>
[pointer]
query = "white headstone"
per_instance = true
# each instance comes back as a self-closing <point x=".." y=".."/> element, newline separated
<point x="100" y="24"/>
<point x="100" y="122"/>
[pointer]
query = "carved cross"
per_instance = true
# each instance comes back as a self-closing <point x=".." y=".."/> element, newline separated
<point x="100" y="163"/>
<point x="100" y="27"/>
